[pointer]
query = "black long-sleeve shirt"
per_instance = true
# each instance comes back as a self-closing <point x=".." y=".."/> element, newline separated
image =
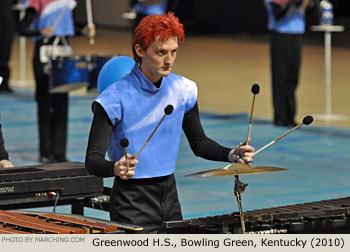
<point x="102" y="129"/>
<point x="27" y="20"/>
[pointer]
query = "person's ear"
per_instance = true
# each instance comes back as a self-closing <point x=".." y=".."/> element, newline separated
<point x="139" y="50"/>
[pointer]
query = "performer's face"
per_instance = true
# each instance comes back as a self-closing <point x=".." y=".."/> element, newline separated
<point x="158" y="59"/>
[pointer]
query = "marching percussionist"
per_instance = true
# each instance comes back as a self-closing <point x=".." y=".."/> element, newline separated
<point x="145" y="193"/>
<point x="47" y="20"/>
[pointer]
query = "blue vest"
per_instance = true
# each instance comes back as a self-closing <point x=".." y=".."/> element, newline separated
<point x="135" y="106"/>
<point x="292" y="23"/>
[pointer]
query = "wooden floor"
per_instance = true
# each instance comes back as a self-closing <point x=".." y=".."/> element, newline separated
<point x="224" y="69"/>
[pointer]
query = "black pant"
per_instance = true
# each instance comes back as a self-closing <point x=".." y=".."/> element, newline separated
<point x="7" y="29"/>
<point x="286" y="50"/>
<point x="52" y="113"/>
<point x="145" y="202"/>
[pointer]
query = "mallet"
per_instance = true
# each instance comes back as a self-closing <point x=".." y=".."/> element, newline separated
<point x="167" y="111"/>
<point x="307" y="120"/>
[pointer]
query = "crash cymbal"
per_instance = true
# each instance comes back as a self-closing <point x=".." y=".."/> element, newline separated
<point x="235" y="169"/>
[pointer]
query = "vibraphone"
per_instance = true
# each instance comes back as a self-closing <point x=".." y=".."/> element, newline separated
<point x="327" y="216"/>
<point x="20" y="222"/>
<point x="48" y="185"/>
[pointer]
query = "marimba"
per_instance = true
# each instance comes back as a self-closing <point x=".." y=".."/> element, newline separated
<point x="326" y="216"/>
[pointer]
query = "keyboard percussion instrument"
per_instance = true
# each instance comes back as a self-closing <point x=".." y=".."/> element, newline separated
<point x="323" y="217"/>
<point x="48" y="185"/>
<point x="50" y="223"/>
<point x="32" y="186"/>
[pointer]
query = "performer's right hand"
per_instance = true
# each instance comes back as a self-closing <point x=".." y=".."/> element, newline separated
<point x="47" y="32"/>
<point x="120" y="168"/>
<point x="242" y="153"/>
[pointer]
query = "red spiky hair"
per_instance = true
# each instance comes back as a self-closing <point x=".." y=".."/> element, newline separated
<point x="153" y="27"/>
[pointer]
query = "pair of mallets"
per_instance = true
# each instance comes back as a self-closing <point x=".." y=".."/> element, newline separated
<point x="124" y="142"/>
<point x="307" y="120"/>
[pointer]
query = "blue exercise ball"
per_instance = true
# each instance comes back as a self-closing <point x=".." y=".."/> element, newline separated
<point x="114" y="70"/>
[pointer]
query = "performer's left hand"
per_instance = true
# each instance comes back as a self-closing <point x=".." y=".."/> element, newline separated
<point x="5" y="163"/>
<point x="242" y="153"/>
